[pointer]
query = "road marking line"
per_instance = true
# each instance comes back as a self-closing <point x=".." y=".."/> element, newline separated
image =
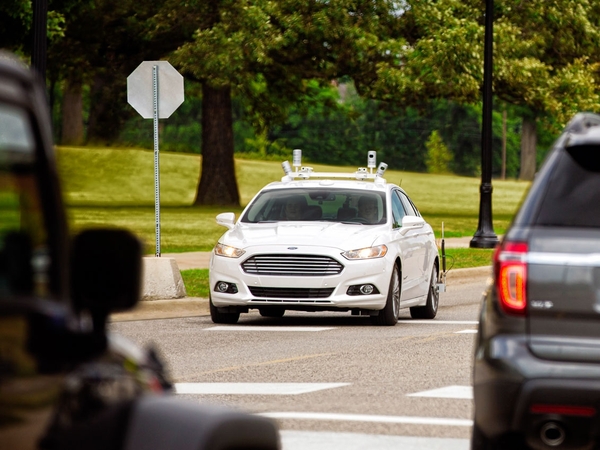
<point x="465" y="392"/>
<point x="264" y="328"/>
<point x="366" y="418"/>
<point x="466" y="332"/>
<point x="441" y="322"/>
<point x="253" y="388"/>
<point x="327" y="440"/>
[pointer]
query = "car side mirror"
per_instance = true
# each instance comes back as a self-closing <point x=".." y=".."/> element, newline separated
<point x="106" y="271"/>
<point x="411" y="222"/>
<point x="226" y="219"/>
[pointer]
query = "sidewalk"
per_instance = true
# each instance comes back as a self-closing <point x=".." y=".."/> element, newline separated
<point x="194" y="306"/>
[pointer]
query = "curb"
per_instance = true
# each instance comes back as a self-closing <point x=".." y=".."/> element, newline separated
<point x="198" y="307"/>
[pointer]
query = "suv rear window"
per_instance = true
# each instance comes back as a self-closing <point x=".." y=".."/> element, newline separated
<point x="573" y="194"/>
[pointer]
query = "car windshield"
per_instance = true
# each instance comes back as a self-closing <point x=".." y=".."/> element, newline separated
<point x="312" y="204"/>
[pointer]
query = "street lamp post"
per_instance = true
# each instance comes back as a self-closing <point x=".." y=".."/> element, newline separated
<point x="484" y="236"/>
<point x="40" y="26"/>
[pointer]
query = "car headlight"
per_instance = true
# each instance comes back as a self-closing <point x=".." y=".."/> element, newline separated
<point x="228" y="251"/>
<point x="378" y="251"/>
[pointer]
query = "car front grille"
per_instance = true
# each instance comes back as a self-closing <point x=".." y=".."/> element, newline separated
<point x="295" y="293"/>
<point x="292" y="265"/>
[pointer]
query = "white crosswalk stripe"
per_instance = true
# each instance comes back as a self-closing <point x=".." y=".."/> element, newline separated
<point x="321" y="440"/>
<point x="265" y="328"/>
<point x="253" y="388"/>
<point x="459" y="392"/>
<point x="444" y="421"/>
<point x="439" y="322"/>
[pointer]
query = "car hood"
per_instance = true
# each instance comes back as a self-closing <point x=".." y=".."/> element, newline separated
<point x="324" y="234"/>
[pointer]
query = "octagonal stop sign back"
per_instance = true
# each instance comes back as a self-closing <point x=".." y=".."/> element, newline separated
<point x="140" y="89"/>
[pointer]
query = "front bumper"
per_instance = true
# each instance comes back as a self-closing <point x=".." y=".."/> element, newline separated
<point x="376" y="271"/>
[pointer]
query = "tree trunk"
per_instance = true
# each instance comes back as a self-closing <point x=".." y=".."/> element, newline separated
<point x="218" y="185"/>
<point x="528" y="149"/>
<point x="72" y="113"/>
<point x="109" y="109"/>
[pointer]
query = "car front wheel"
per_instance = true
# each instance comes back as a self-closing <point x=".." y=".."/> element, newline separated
<point x="428" y="311"/>
<point x="388" y="316"/>
<point x="222" y="317"/>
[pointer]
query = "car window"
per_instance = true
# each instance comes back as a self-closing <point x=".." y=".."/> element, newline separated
<point x="411" y="209"/>
<point x="308" y="204"/>
<point x="572" y="197"/>
<point x="23" y="238"/>
<point x="397" y="210"/>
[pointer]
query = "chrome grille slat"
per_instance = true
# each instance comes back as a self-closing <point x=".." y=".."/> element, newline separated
<point x="292" y="265"/>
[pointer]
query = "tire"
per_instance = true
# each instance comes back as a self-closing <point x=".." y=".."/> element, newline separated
<point x="388" y="316"/>
<point x="429" y="311"/>
<point x="220" y="317"/>
<point x="272" y="311"/>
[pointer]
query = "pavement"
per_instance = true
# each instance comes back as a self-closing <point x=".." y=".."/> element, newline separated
<point x="195" y="306"/>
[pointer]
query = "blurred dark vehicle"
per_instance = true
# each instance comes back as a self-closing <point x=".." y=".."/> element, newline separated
<point x="536" y="376"/>
<point x="65" y="383"/>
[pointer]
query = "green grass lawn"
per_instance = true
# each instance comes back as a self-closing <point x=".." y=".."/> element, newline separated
<point x="115" y="187"/>
<point x="196" y="282"/>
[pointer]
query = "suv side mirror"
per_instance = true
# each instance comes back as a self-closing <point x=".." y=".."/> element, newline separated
<point x="106" y="271"/>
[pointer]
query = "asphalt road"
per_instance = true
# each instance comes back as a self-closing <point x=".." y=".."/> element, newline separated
<point x="331" y="380"/>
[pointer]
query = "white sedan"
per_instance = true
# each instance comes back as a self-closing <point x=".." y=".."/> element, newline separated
<point x="319" y="242"/>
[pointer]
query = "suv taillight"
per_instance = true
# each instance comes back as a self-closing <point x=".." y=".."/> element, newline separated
<point x="510" y="271"/>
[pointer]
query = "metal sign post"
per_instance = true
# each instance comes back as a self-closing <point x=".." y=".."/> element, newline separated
<point x="156" y="161"/>
<point x="145" y="94"/>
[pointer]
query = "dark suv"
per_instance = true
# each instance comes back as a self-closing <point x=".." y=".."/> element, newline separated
<point x="536" y="379"/>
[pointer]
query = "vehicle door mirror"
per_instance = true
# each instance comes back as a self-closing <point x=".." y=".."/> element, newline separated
<point x="106" y="271"/>
<point x="411" y="222"/>
<point x="226" y="219"/>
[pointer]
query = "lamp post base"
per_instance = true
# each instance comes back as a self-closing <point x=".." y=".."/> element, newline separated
<point x="484" y="240"/>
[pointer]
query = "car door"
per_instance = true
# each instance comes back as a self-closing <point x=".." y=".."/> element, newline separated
<point x="423" y="241"/>
<point x="406" y="243"/>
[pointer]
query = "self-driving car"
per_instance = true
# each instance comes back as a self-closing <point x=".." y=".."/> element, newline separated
<point x="326" y="242"/>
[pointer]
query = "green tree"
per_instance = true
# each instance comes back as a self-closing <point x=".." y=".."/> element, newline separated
<point x="16" y="18"/>
<point x="546" y="55"/>
<point x="266" y="51"/>
<point x="439" y="156"/>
